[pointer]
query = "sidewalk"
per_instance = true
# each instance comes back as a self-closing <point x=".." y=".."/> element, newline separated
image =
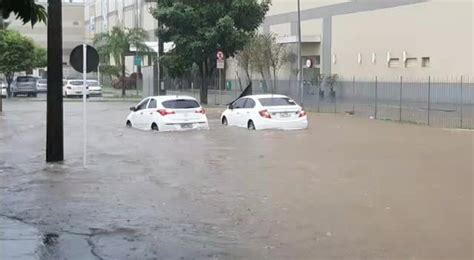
<point x="18" y="240"/>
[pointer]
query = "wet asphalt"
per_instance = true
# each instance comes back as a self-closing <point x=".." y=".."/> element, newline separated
<point x="343" y="189"/>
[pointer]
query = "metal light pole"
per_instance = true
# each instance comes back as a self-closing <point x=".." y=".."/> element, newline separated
<point x="54" y="104"/>
<point x="300" y="65"/>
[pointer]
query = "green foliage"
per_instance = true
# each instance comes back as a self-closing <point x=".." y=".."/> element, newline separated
<point x="17" y="53"/>
<point x="40" y="57"/>
<point x="110" y="70"/>
<point x="116" y="43"/>
<point x="199" y="28"/>
<point x="263" y="54"/>
<point x="26" y="10"/>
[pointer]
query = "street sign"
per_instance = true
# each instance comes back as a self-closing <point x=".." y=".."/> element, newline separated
<point x="220" y="64"/>
<point x="220" y="55"/>
<point x="77" y="60"/>
<point x="137" y="60"/>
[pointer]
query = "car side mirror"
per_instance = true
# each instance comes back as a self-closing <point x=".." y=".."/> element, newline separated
<point x="133" y="109"/>
<point x="231" y="106"/>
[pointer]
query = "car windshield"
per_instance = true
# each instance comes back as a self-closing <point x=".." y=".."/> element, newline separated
<point x="92" y="83"/>
<point x="25" y="79"/>
<point x="76" y="82"/>
<point x="269" y="102"/>
<point x="42" y="81"/>
<point x="180" y="104"/>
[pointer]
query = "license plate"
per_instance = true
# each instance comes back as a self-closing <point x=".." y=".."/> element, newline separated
<point x="285" y="114"/>
<point x="186" y="126"/>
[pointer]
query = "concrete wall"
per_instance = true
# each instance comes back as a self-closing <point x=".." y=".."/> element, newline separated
<point x="440" y="30"/>
<point x="407" y="29"/>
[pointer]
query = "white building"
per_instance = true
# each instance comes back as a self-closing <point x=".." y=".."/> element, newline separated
<point x="387" y="38"/>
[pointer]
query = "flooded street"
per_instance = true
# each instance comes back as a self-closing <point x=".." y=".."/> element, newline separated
<point x="345" y="188"/>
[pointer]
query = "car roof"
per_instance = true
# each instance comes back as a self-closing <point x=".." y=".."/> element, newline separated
<point x="266" y="96"/>
<point x="170" y="97"/>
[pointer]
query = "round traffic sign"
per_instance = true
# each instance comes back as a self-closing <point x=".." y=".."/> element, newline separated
<point x="220" y="55"/>
<point x="76" y="58"/>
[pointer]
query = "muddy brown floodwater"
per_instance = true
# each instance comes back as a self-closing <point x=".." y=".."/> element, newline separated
<point x="345" y="188"/>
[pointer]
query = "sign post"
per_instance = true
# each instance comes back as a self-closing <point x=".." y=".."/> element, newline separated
<point x="220" y="62"/>
<point x="84" y="101"/>
<point x="84" y="59"/>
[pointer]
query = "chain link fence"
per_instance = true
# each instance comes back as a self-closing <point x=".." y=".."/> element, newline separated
<point x="435" y="101"/>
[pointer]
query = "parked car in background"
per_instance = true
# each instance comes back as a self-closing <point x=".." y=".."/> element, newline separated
<point x="95" y="89"/>
<point x="168" y="113"/>
<point x="3" y="88"/>
<point x="73" y="88"/>
<point x="267" y="111"/>
<point x="42" y="85"/>
<point x="24" y="85"/>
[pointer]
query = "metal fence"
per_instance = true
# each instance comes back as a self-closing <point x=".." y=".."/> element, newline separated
<point x="434" y="101"/>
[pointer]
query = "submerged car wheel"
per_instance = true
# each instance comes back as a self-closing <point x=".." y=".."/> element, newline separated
<point x="251" y="125"/>
<point x="154" y="127"/>
<point x="128" y="124"/>
<point x="224" y="121"/>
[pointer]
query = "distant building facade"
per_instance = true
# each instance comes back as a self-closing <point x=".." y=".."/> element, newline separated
<point x="73" y="32"/>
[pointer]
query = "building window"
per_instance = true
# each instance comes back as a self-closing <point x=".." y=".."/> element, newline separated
<point x="425" y="62"/>
<point x="75" y="23"/>
<point x="411" y="62"/>
<point x="394" y="63"/>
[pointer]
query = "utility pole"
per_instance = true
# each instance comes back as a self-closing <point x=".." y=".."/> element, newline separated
<point x="54" y="104"/>
<point x="300" y="65"/>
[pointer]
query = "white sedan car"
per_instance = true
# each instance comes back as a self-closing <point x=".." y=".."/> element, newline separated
<point x="265" y="112"/>
<point x="168" y="113"/>
<point x="3" y="89"/>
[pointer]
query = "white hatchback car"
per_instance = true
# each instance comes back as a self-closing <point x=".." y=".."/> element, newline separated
<point x="73" y="88"/>
<point x="265" y="112"/>
<point x="168" y="113"/>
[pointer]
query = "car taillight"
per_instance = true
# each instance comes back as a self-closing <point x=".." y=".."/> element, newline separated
<point x="302" y="113"/>
<point x="264" y="114"/>
<point x="201" y="111"/>
<point x="165" y="112"/>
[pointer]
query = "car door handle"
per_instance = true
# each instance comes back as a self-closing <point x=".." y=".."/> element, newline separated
<point x="141" y="113"/>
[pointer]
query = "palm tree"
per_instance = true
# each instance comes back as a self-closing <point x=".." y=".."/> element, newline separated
<point x="116" y="44"/>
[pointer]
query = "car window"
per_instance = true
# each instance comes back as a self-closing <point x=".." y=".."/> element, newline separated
<point x="42" y="81"/>
<point x="276" y="101"/>
<point x="76" y="82"/>
<point x="152" y="103"/>
<point x="180" y="104"/>
<point x="250" y="103"/>
<point x="93" y="83"/>
<point x="25" y="79"/>
<point x="239" y="103"/>
<point x="142" y="105"/>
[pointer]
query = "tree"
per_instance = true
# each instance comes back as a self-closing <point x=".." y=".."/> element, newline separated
<point x="17" y="54"/>
<point x="263" y="54"/>
<point x="116" y="44"/>
<point x="198" y="29"/>
<point x="26" y="10"/>
<point x="40" y="57"/>
<point x="244" y="58"/>
<point x="278" y="56"/>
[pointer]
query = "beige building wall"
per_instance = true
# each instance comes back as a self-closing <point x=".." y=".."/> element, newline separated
<point x="438" y="30"/>
<point x="286" y="6"/>
<point x="73" y="31"/>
